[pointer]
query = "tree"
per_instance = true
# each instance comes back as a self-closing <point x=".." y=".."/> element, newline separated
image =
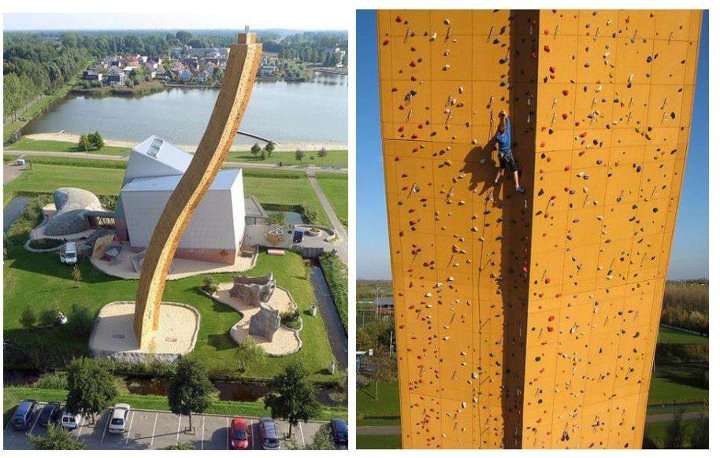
<point x="57" y="438"/>
<point x="674" y="432"/>
<point x="48" y="317"/>
<point x="322" y="152"/>
<point x="80" y="321"/>
<point x="255" y="150"/>
<point x="28" y="318"/>
<point x="84" y="143"/>
<point x="299" y="154"/>
<point x="701" y="436"/>
<point x="384" y="367"/>
<point x="98" y="141"/>
<point x="269" y="147"/>
<point x="209" y="284"/>
<point x="91" y="387"/>
<point x="292" y="396"/>
<point x="76" y="275"/>
<point x="190" y="389"/>
<point x="248" y="353"/>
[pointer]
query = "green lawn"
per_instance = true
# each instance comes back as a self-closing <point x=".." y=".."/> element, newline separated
<point x="378" y="442"/>
<point x="28" y="144"/>
<point x="678" y="383"/>
<point x="270" y="187"/>
<point x="335" y="188"/>
<point x="284" y="188"/>
<point x="13" y="395"/>
<point x="49" y="177"/>
<point x="41" y="282"/>
<point x="658" y="431"/>
<point x="673" y="336"/>
<point x="382" y="411"/>
<point x="334" y="158"/>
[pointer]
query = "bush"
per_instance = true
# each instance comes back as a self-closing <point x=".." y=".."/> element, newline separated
<point x="48" y="317"/>
<point x="52" y="381"/>
<point x="210" y="286"/>
<point x="28" y="318"/>
<point x="80" y="321"/>
<point x="290" y="319"/>
<point x="46" y="244"/>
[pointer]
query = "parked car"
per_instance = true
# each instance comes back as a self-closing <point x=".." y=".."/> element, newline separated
<point x="70" y="420"/>
<point x="119" y="418"/>
<point x="338" y="427"/>
<point x="24" y="414"/>
<point x="49" y="414"/>
<point x="269" y="436"/>
<point x="238" y="433"/>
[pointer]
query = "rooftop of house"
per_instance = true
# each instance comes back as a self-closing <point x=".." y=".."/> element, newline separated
<point x="160" y="150"/>
<point x="223" y="181"/>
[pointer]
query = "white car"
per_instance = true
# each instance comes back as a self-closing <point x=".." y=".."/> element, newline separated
<point x="70" y="420"/>
<point x="118" y="418"/>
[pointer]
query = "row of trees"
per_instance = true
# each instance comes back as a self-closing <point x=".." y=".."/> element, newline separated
<point x="91" y="389"/>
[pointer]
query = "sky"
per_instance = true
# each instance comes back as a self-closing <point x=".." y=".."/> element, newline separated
<point x="258" y="18"/>
<point x="690" y="244"/>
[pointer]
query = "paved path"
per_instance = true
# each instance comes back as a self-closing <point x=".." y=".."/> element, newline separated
<point x="122" y="157"/>
<point x="342" y="249"/>
<point x="149" y="429"/>
<point x="13" y="210"/>
<point x="333" y="324"/>
<point x="392" y="430"/>
<point x="10" y="172"/>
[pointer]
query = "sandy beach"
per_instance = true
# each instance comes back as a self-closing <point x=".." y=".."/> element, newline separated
<point x="74" y="138"/>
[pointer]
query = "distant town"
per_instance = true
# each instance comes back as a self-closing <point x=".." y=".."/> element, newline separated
<point x="186" y="65"/>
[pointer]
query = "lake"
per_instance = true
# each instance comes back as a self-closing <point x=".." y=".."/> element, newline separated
<point x="312" y="112"/>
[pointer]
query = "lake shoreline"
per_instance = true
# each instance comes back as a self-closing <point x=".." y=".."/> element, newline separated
<point x="280" y="146"/>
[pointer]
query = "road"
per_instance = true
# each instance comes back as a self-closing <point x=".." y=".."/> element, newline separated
<point x="394" y="430"/>
<point x="158" y="430"/>
<point x="342" y="249"/>
<point x="333" y="324"/>
<point x="120" y="157"/>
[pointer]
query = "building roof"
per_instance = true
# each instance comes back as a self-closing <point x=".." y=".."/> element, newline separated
<point x="224" y="180"/>
<point x="160" y="150"/>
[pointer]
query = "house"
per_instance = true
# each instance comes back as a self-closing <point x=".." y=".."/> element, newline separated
<point x="115" y="77"/>
<point x="92" y="75"/>
<point x="154" y="169"/>
<point x="184" y="75"/>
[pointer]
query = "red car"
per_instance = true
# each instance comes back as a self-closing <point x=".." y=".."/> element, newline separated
<point x="238" y="433"/>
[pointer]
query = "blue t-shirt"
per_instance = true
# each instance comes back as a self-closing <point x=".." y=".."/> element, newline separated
<point x="503" y="139"/>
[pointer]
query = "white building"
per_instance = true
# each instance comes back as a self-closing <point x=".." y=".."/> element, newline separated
<point x="154" y="169"/>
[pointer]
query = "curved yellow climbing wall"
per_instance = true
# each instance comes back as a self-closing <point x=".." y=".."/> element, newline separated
<point x="529" y="320"/>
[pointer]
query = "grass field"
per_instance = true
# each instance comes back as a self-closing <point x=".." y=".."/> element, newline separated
<point x="335" y="188"/>
<point x="658" y="431"/>
<point x="382" y="411"/>
<point x="39" y="281"/>
<point x="334" y="158"/>
<point x="13" y="395"/>
<point x="270" y="187"/>
<point x="28" y="144"/>
<point x="673" y="336"/>
<point x="678" y="383"/>
<point x="378" y="442"/>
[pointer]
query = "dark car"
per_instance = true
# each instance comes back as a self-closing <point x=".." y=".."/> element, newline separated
<point x="23" y="414"/>
<point x="339" y="431"/>
<point x="49" y="414"/>
<point x="270" y="439"/>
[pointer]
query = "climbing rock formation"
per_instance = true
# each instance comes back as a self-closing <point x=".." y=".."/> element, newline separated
<point x="530" y="320"/>
<point x="229" y="108"/>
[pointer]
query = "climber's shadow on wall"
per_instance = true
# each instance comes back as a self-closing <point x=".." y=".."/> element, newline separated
<point x="481" y="169"/>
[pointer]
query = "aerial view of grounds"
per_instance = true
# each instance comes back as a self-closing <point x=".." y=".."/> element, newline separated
<point x="242" y="340"/>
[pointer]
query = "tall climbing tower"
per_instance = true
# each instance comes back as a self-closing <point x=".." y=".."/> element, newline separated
<point x="530" y="320"/>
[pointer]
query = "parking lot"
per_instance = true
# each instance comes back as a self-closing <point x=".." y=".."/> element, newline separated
<point x="158" y="430"/>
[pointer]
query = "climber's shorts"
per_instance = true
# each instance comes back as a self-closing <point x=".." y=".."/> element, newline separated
<point x="508" y="161"/>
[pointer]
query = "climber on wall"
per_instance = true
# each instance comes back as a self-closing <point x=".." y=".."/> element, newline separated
<point x="503" y="139"/>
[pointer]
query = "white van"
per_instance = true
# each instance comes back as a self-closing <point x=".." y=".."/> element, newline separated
<point x="70" y="420"/>
<point x="69" y="254"/>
